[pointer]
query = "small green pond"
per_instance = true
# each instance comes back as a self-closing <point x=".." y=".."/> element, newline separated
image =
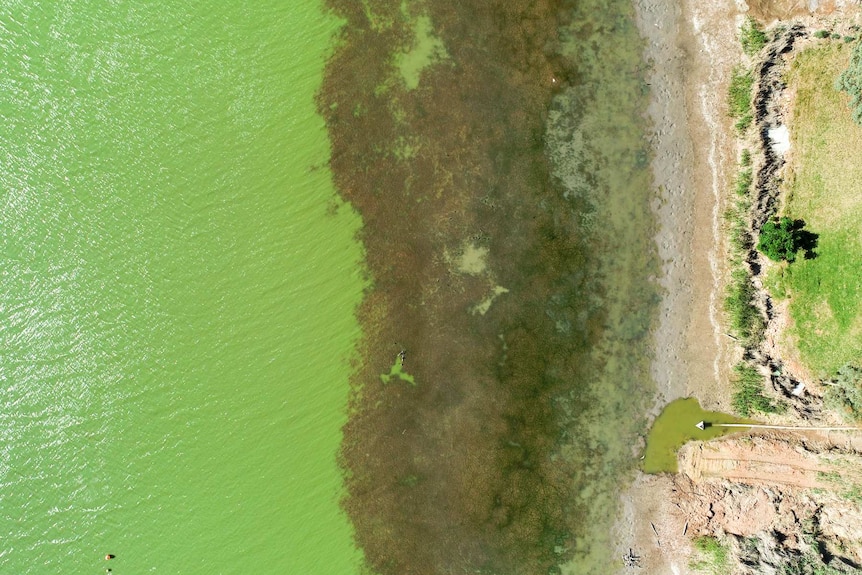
<point x="675" y="426"/>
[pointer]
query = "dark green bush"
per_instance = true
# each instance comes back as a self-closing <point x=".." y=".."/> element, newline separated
<point x="780" y="240"/>
<point x="821" y="34"/>
<point x="850" y="81"/>
<point x="745" y="158"/>
<point x="776" y="240"/>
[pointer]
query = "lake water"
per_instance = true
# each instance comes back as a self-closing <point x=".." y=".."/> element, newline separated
<point x="179" y="347"/>
<point x="177" y="286"/>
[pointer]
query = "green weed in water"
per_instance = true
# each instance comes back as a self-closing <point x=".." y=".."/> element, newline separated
<point x="397" y="370"/>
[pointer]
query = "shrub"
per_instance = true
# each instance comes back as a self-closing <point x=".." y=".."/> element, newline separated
<point x="844" y="393"/>
<point x="745" y="158"/>
<point x="821" y="34"/>
<point x="751" y="36"/>
<point x="780" y="240"/>
<point x="776" y="240"/>
<point x="850" y="81"/>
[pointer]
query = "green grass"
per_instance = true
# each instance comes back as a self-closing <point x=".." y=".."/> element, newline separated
<point x="675" y="426"/>
<point x="825" y="191"/>
<point x="746" y="322"/>
<point x="713" y="556"/>
<point x="739" y="98"/>
<point x="751" y="36"/>
<point x="748" y="395"/>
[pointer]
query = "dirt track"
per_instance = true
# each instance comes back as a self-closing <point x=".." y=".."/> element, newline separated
<point x="773" y="460"/>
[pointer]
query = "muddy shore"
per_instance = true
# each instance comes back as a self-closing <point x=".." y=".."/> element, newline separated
<point x="691" y="48"/>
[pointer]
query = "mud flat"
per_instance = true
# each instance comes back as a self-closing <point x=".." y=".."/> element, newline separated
<point x="691" y="49"/>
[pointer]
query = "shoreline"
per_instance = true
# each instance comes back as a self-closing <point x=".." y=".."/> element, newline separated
<point x="694" y="147"/>
<point x="691" y="49"/>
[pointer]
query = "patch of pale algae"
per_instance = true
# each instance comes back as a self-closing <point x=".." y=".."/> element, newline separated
<point x="426" y="50"/>
<point x="482" y="307"/>
<point x="473" y="261"/>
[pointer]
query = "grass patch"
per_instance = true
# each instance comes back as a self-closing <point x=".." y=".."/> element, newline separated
<point x="746" y="322"/>
<point x="751" y="36"/>
<point x="826" y="191"/>
<point x="713" y="556"/>
<point x="748" y="393"/>
<point x="844" y="393"/>
<point x="739" y="97"/>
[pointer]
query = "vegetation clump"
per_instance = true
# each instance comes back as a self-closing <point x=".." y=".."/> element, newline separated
<point x="746" y="320"/>
<point x="739" y="98"/>
<point x="780" y="240"/>
<point x="844" y="393"/>
<point x="748" y="393"/>
<point x="714" y="556"/>
<point x="751" y="36"/>
<point x="850" y="81"/>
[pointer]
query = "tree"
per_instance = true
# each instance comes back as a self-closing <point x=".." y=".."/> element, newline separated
<point x="780" y="240"/>
<point x="850" y="81"/>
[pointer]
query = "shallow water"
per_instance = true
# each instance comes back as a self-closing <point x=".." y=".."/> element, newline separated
<point x="519" y="149"/>
<point x="177" y="291"/>
<point x="675" y="426"/>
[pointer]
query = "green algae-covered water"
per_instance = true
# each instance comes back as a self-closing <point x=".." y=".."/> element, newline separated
<point x="177" y="286"/>
<point x="675" y="426"/>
